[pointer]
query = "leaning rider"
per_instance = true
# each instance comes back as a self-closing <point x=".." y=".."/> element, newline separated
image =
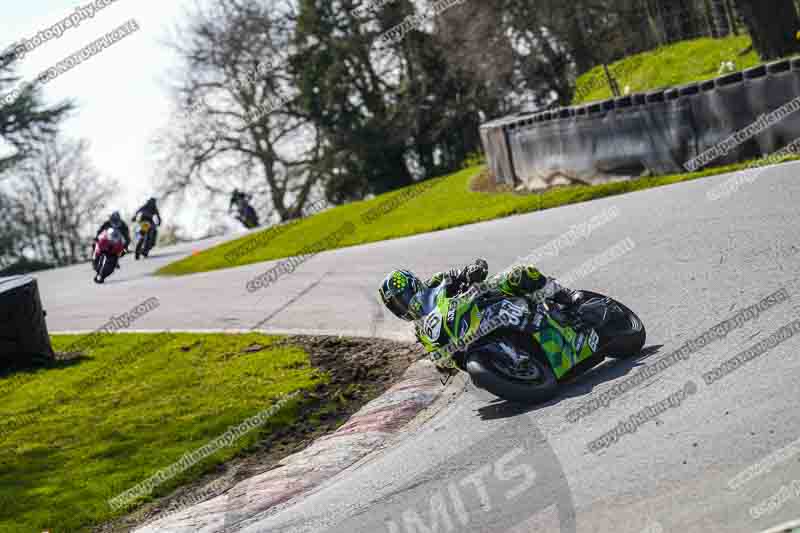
<point x="116" y="222"/>
<point x="403" y="293"/>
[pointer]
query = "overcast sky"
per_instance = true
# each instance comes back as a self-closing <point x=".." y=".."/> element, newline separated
<point x="121" y="92"/>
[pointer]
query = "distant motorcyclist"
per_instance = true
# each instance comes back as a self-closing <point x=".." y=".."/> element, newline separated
<point x="149" y="212"/>
<point x="239" y="199"/>
<point x="244" y="211"/>
<point x="403" y="293"/>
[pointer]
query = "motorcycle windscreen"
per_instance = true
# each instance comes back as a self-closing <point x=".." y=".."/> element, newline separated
<point x="594" y="312"/>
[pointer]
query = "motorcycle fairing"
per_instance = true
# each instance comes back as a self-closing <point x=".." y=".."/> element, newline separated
<point x="451" y="320"/>
<point x="564" y="347"/>
<point x="447" y="320"/>
<point x="594" y="311"/>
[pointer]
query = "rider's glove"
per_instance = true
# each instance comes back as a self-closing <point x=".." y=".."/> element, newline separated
<point x="564" y="297"/>
<point x="549" y="291"/>
<point x="477" y="272"/>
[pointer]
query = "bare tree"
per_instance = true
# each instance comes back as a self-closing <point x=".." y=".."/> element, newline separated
<point x="57" y="198"/>
<point x="11" y="233"/>
<point x="237" y="126"/>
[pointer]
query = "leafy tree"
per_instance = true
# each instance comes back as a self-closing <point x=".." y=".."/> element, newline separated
<point x="772" y="25"/>
<point x="25" y="120"/>
<point x="391" y="113"/>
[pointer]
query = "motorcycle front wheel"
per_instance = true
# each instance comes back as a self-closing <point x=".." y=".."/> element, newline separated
<point x="149" y="243"/>
<point x="493" y="371"/>
<point x="105" y="267"/>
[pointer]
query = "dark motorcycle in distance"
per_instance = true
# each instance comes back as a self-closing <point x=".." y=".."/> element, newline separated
<point x="482" y="332"/>
<point x="145" y="236"/>
<point x="109" y="247"/>
<point x="247" y="216"/>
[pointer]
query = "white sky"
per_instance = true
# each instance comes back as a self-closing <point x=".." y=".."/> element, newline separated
<point x="121" y="92"/>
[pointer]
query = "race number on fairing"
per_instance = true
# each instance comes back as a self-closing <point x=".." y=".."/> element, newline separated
<point x="511" y="313"/>
<point x="432" y="326"/>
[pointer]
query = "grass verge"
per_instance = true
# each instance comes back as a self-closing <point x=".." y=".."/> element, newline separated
<point x="92" y="425"/>
<point x="667" y="66"/>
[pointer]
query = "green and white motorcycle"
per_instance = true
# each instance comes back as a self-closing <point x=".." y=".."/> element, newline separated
<point x="520" y="349"/>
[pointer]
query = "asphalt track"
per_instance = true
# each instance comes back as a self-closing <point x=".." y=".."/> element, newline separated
<point x="694" y="264"/>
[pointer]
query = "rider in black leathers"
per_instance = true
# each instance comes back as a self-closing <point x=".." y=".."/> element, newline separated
<point x="246" y="214"/>
<point x="149" y="212"/>
<point x="116" y="222"/>
<point x="239" y="199"/>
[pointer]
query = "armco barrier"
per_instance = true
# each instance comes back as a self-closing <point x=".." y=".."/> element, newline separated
<point x="657" y="132"/>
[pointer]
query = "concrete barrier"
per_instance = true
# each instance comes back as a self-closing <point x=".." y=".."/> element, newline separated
<point x="654" y="133"/>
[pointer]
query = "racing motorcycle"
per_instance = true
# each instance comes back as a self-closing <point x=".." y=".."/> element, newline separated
<point x="247" y="216"/>
<point x="107" y="251"/>
<point x="144" y="239"/>
<point x="486" y="334"/>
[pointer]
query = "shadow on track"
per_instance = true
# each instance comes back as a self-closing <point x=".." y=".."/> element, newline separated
<point x="160" y="255"/>
<point x="581" y="385"/>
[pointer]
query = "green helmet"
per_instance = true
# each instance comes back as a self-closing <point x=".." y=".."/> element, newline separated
<point x="400" y="293"/>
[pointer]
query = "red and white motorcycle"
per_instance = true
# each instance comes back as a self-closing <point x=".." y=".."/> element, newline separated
<point x="109" y="247"/>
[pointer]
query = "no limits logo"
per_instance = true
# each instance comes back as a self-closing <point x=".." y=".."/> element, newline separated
<point x="510" y="481"/>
